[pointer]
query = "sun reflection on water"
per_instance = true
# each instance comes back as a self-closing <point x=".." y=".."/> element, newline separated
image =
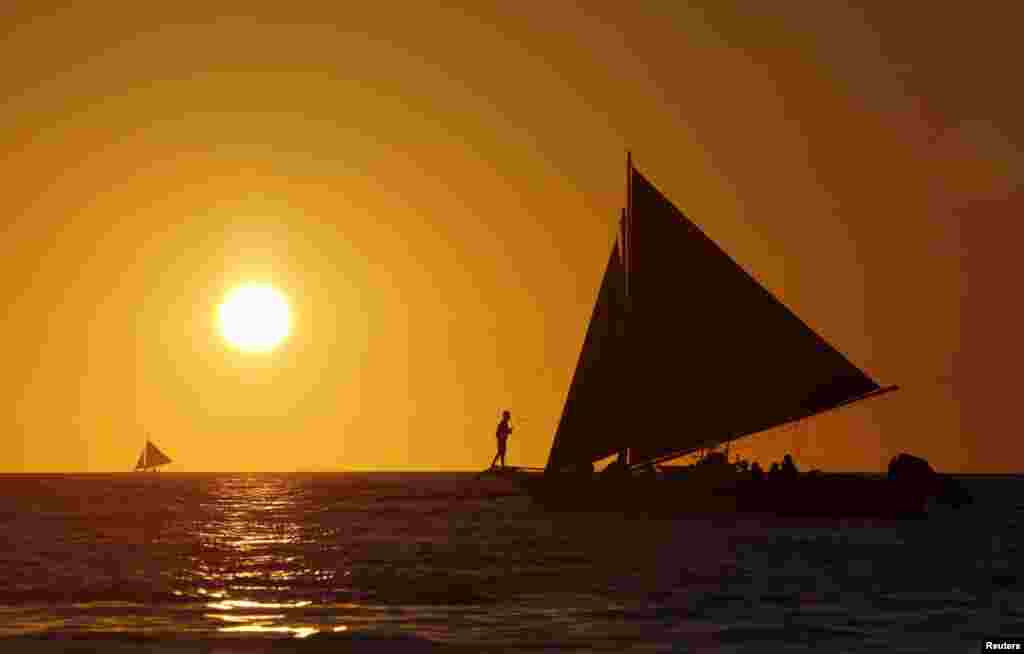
<point x="228" y="605"/>
<point x="298" y="632"/>
<point x="252" y="548"/>
<point x="259" y="622"/>
<point x="242" y="618"/>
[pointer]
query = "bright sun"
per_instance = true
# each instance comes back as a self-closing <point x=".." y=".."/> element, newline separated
<point x="254" y="317"/>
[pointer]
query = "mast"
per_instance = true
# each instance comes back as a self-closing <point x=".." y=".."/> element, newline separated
<point x="627" y="259"/>
<point x="627" y="217"/>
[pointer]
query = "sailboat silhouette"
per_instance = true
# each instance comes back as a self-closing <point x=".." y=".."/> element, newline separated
<point x="151" y="457"/>
<point x="685" y="352"/>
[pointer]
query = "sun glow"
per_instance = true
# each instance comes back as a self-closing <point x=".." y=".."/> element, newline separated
<point x="254" y="318"/>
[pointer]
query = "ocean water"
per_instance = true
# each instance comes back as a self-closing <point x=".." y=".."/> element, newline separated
<point x="409" y="562"/>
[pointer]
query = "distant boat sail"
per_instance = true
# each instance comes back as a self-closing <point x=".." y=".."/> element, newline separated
<point x="686" y="351"/>
<point x="151" y="457"/>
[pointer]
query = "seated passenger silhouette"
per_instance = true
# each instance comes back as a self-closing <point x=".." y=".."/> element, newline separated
<point x="756" y="473"/>
<point x="789" y="470"/>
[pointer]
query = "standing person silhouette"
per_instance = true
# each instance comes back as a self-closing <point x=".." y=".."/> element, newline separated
<point x="504" y="429"/>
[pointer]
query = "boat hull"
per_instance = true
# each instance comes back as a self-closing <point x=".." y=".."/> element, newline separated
<point x="836" y="496"/>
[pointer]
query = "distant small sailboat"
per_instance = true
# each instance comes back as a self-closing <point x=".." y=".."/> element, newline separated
<point x="151" y="457"/>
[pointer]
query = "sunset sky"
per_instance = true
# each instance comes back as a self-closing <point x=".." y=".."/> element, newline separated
<point x="436" y="190"/>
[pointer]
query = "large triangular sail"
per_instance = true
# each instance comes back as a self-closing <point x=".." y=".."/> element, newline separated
<point x="716" y="356"/>
<point x="151" y="457"/>
<point x="590" y="426"/>
<point x="686" y="350"/>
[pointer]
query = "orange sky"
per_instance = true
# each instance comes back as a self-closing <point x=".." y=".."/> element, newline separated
<point x="436" y="191"/>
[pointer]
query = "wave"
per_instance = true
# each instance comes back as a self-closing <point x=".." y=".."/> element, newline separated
<point x="335" y="643"/>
